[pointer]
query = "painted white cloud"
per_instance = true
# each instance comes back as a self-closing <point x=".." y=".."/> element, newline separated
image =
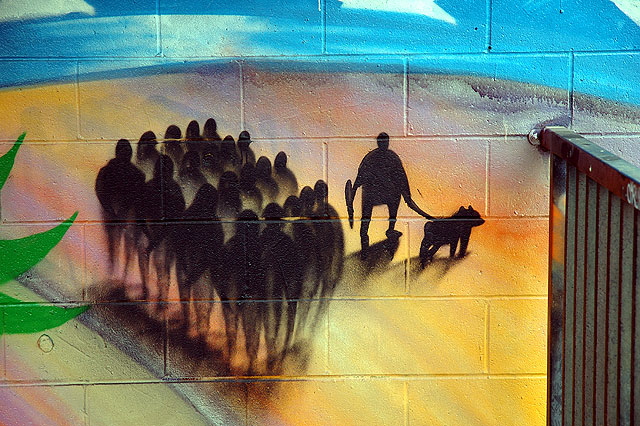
<point x="421" y="7"/>
<point x="631" y="8"/>
<point x="17" y="10"/>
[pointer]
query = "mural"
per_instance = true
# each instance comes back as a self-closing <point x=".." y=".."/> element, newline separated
<point x="265" y="200"/>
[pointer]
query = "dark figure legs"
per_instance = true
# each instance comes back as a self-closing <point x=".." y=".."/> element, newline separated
<point x="367" y="209"/>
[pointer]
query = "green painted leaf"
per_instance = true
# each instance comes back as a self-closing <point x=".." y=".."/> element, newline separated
<point x="20" y="255"/>
<point x="6" y="161"/>
<point x="21" y="317"/>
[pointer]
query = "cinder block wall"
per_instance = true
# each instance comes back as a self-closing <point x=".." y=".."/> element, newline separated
<point x="461" y="342"/>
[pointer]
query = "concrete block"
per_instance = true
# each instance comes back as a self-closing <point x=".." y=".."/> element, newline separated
<point x="518" y="336"/>
<point x="382" y="272"/>
<point x="240" y="29"/>
<point x="606" y="93"/>
<point x="140" y="403"/>
<point x="367" y="27"/>
<point x="395" y="336"/>
<point x="518" y="179"/>
<point x="550" y="26"/>
<point x="323" y="98"/>
<point x="480" y="94"/>
<point x="45" y="113"/>
<point x="76" y="353"/>
<point x="504" y="258"/>
<point x="477" y="401"/>
<point x="332" y="401"/>
<point x="43" y="404"/>
<point x="51" y="181"/>
<point x="130" y="105"/>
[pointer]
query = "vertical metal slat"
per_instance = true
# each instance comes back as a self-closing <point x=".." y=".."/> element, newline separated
<point x="557" y="289"/>
<point x="590" y="298"/>
<point x="569" y="304"/>
<point x="601" y="304"/>
<point x="579" y="313"/>
<point x="626" y="307"/>
<point x="613" y="314"/>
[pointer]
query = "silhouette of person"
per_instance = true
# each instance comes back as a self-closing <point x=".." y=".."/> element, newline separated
<point x="147" y="152"/>
<point x="162" y="200"/>
<point x="172" y="146"/>
<point x="192" y="136"/>
<point x="283" y="280"/>
<point x="286" y="180"/>
<point x="199" y="244"/>
<point x="383" y="180"/>
<point x="243" y="284"/>
<point x="190" y="176"/>
<point x="210" y="130"/>
<point x="265" y="182"/>
<point x="246" y="154"/>
<point x="249" y="194"/>
<point x="118" y="186"/>
<point x="228" y="153"/>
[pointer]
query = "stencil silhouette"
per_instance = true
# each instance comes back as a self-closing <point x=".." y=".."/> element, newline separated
<point x="384" y="181"/>
<point x="162" y="201"/>
<point x="147" y="151"/>
<point x="172" y="146"/>
<point x="249" y="193"/>
<point x="286" y="180"/>
<point x="229" y="154"/>
<point x="190" y="176"/>
<point x="119" y="186"/>
<point x="449" y="231"/>
<point x="274" y="277"/>
<point x="242" y="283"/>
<point x="210" y="131"/>
<point x="199" y="246"/>
<point x="283" y="280"/>
<point x="265" y="181"/>
<point x="246" y="154"/>
<point x="193" y="140"/>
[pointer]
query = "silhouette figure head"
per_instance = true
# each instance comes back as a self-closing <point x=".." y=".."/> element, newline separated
<point x="163" y="168"/>
<point x="263" y="167"/>
<point x="280" y="163"/>
<point x="321" y="190"/>
<point x="173" y="132"/>
<point x="148" y="138"/>
<point x="307" y="200"/>
<point x="292" y="206"/>
<point x="123" y="150"/>
<point x="274" y="214"/>
<point x="383" y="141"/>
<point x="210" y="130"/>
<point x="193" y="131"/>
<point x="244" y="136"/>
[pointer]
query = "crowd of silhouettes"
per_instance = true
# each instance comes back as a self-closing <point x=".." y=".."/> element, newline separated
<point x="201" y="211"/>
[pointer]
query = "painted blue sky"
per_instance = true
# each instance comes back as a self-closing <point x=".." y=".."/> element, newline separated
<point x="592" y="45"/>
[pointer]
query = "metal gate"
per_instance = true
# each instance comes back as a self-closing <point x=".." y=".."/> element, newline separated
<point x="593" y="302"/>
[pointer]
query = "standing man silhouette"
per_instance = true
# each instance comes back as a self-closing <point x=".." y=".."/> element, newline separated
<point x="383" y="181"/>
